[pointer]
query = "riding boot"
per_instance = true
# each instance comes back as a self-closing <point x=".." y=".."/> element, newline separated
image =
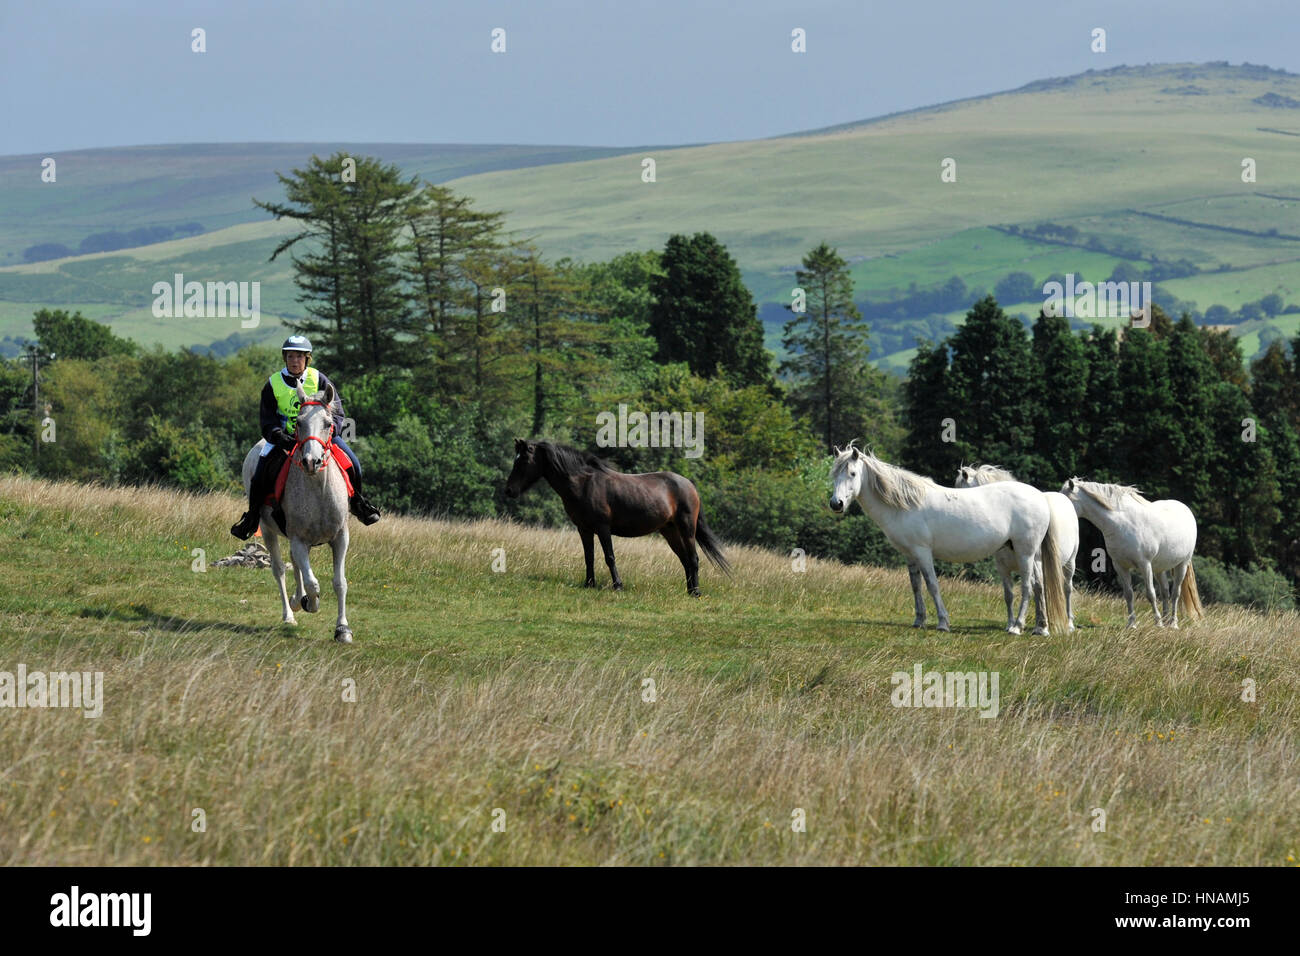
<point x="244" y="528"/>
<point x="358" y="504"/>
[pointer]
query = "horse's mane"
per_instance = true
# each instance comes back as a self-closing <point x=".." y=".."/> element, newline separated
<point x="571" y="461"/>
<point x="895" y="486"/>
<point x="986" y="474"/>
<point x="1109" y="496"/>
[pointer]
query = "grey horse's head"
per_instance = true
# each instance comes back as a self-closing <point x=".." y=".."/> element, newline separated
<point x="315" y="428"/>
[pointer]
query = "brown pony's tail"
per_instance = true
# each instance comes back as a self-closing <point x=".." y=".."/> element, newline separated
<point x="710" y="544"/>
<point x="1191" y="598"/>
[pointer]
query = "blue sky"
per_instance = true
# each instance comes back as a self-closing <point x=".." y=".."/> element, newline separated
<point x="607" y="73"/>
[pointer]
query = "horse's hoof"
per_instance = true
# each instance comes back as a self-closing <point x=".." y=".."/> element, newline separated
<point x="943" y="626"/>
<point x="1013" y="629"/>
<point x="295" y="603"/>
<point x="618" y="587"/>
<point x="343" y="635"/>
<point x="1041" y="632"/>
<point x="920" y="623"/>
<point x="694" y="592"/>
<point x="311" y="604"/>
<point x="589" y="584"/>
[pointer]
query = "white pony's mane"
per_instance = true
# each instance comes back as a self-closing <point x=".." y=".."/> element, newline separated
<point x="986" y="474"/>
<point x="895" y="486"/>
<point x="1109" y="496"/>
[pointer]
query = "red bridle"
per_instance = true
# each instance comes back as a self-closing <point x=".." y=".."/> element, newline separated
<point x="327" y="446"/>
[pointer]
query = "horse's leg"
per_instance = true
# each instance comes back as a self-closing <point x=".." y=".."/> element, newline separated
<point x="1068" y="569"/>
<point x="310" y="587"/>
<point x="685" y="552"/>
<point x="1162" y="589"/>
<point x="342" y="633"/>
<point x="1151" y="591"/>
<point x="1030" y="581"/>
<point x="589" y="553"/>
<point x="1006" y="559"/>
<point x="1176" y="591"/>
<point x="607" y="545"/>
<point x="926" y="562"/>
<point x="914" y="573"/>
<point x="277" y="570"/>
<point x="1040" y="597"/>
<point x="1125" y="576"/>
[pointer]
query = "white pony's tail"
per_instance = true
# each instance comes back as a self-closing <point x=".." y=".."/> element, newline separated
<point x="1191" y="598"/>
<point x="1054" y="580"/>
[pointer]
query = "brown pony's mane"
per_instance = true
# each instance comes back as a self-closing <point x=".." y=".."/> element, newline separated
<point x="570" y="461"/>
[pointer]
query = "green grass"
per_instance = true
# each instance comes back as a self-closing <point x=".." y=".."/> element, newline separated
<point x="521" y="692"/>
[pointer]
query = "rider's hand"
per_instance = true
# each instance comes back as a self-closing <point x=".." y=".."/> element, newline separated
<point x="282" y="440"/>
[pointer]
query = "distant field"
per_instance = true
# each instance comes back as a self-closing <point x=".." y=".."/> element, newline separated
<point x="105" y="189"/>
<point x="481" y="693"/>
<point x="1083" y="151"/>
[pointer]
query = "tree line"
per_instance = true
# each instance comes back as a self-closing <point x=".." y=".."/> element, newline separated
<point x="449" y="336"/>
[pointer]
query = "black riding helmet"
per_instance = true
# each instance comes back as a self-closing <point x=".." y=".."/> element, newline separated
<point x="297" y="343"/>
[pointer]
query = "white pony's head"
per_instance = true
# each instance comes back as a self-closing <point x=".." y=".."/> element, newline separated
<point x="971" y="476"/>
<point x="1107" y="496"/>
<point x="846" y="477"/>
<point x="1072" y="491"/>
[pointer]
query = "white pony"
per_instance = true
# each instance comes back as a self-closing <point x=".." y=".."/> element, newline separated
<point x="1152" y="537"/>
<point x="925" y="521"/>
<point x="315" y="508"/>
<point x="1064" y="520"/>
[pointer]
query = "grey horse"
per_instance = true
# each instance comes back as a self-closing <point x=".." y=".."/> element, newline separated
<point x="315" y="508"/>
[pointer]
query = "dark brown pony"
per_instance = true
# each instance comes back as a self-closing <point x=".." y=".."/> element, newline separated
<point x="604" y="502"/>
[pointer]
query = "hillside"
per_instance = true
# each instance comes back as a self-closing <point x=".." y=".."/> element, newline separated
<point x="478" y="692"/>
<point x="1142" y="163"/>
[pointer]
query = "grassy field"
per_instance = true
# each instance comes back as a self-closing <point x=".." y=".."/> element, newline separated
<point x="521" y="692"/>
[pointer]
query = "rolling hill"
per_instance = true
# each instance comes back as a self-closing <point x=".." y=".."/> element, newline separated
<point x="1143" y="163"/>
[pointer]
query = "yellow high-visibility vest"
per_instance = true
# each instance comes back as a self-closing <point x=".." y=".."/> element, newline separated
<point x="287" y="400"/>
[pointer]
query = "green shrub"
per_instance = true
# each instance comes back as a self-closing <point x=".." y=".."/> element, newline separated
<point x="1256" y="587"/>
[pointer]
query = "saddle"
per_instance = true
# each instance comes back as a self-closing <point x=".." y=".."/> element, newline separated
<point x="276" y="497"/>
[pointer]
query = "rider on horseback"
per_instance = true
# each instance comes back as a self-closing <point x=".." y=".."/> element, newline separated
<point x="279" y="418"/>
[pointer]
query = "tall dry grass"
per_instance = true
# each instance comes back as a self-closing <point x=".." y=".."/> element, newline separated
<point x="519" y="692"/>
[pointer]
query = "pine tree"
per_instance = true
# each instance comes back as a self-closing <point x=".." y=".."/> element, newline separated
<point x="1143" y="410"/>
<point x="1060" y="391"/>
<point x="351" y="276"/>
<point x="1192" y="378"/>
<point x="445" y="233"/>
<point x="1101" y="398"/>
<point x="991" y="387"/>
<point x="832" y="383"/>
<point x="704" y="316"/>
<point x="927" y="401"/>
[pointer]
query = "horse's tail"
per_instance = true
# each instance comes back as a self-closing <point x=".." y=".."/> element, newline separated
<point x="1191" y="598"/>
<point x="710" y="544"/>
<point x="1054" y="579"/>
